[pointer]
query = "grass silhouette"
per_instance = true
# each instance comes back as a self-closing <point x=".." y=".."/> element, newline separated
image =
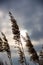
<point x="4" y="46"/>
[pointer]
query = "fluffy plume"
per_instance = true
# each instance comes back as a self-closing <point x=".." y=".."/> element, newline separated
<point x="31" y="49"/>
<point x="16" y="32"/>
<point x="6" y="47"/>
<point x="15" y="28"/>
<point x="1" y="43"/>
<point x="21" y="56"/>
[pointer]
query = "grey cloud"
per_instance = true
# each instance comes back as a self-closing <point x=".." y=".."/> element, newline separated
<point x="37" y="31"/>
<point x="31" y="10"/>
<point x="39" y="1"/>
<point x="37" y="35"/>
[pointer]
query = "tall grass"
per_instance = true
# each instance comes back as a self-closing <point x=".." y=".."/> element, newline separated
<point x="1" y="47"/>
<point x="16" y="32"/>
<point x="4" y="46"/>
<point x="34" y="56"/>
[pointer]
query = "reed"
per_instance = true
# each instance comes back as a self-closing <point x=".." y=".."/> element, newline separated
<point x="1" y="43"/>
<point x="34" y="56"/>
<point x="16" y="32"/>
<point x="6" y="47"/>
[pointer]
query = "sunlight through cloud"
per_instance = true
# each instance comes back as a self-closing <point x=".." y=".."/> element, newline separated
<point x="23" y="33"/>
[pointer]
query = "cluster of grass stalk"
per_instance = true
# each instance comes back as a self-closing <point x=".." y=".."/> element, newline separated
<point x="4" y="45"/>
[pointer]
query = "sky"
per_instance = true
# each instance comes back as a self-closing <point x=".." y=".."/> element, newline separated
<point x="29" y="16"/>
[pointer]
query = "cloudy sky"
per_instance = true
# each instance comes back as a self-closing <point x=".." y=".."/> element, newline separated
<point x="29" y="16"/>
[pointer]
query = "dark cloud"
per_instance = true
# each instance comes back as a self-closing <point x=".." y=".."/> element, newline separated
<point x="37" y="31"/>
<point x="37" y="35"/>
<point x="39" y="1"/>
<point x="2" y="2"/>
<point x="31" y="12"/>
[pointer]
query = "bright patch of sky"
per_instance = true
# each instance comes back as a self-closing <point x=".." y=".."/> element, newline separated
<point x="29" y="16"/>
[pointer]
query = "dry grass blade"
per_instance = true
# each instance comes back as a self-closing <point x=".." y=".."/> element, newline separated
<point x="21" y="54"/>
<point x="1" y="47"/>
<point x="15" y="28"/>
<point x="16" y="32"/>
<point x="6" y="47"/>
<point x="31" y="49"/>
